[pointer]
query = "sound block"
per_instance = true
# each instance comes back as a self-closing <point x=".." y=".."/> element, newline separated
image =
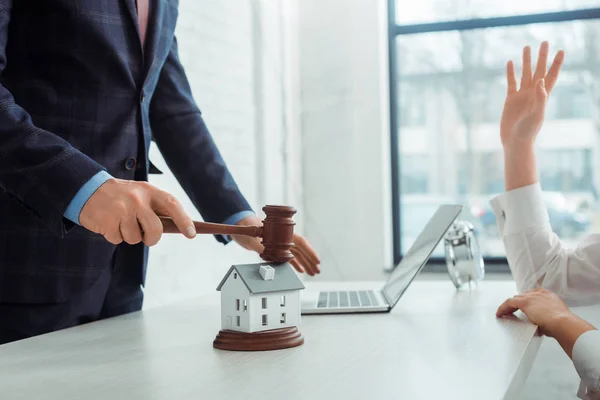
<point x="275" y="339"/>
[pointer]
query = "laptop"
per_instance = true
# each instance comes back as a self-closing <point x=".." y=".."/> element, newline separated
<point x="383" y="300"/>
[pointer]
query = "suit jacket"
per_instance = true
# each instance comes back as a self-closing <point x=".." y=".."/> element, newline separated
<point x="77" y="96"/>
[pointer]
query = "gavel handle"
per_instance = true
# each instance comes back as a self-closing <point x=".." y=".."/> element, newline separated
<point x="214" y="229"/>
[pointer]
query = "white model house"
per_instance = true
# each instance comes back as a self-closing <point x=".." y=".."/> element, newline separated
<point x="260" y="297"/>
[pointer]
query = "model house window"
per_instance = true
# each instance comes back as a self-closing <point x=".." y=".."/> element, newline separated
<point x="235" y="275"/>
<point x="264" y="303"/>
<point x="264" y="320"/>
<point x="245" y="305"/>
<point x="237" y="320"/>
<point x="282" y="320"/>
<point x="237" y="304"/>
<point x="282" y="303"/>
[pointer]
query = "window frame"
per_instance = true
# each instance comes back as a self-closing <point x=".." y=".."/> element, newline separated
<point x="437" y="264"/>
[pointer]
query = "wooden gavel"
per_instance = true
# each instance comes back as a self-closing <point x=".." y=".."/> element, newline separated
<point x="277" y="232"/>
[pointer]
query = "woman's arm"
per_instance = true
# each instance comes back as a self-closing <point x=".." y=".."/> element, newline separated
<point x="535" y="254"/>
<point x="537" y="257"/>
<point x="579" y="339"/>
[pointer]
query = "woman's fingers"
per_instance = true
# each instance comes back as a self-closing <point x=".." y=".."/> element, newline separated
<point x="526" y="74"/>
<point x="554" y="70"/>
<point x="509" y="306"/>
<point x="511" y="78"/>
<point x="540" y="67"/>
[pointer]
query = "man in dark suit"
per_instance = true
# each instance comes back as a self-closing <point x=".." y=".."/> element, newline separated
<point x="85" y="85"/>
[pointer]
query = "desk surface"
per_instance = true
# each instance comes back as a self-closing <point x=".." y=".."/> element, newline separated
<point x="437" y="343"/>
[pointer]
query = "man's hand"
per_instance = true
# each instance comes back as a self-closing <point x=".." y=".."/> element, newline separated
<point x="523" y="115"/>
<point x="549" y="312"/>
<point x="123" y="210"/>
<point x="305" y="257"/>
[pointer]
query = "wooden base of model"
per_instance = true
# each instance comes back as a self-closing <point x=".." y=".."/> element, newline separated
<point x="275" y="339"/>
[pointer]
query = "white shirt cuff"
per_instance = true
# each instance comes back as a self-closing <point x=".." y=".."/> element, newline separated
<point x="586" y="393"/>
<point x="586" y="358"/>
<point x="519" y="209"/>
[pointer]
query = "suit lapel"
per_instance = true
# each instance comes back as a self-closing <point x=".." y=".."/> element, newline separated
<point x="152" y="35"/>
<point x="134" y="19"/>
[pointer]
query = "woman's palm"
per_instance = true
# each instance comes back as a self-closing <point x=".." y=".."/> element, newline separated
<point x="523" y="114"/>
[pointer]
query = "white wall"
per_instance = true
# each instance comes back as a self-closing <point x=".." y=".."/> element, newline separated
<point x="232" y="53"/>
<point x="295" y="95"/>
<point x="345" y="133"/>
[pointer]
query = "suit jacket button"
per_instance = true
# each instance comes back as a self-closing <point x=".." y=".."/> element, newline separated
<point x="130" y="163"/>
<point x="142" y="96"/>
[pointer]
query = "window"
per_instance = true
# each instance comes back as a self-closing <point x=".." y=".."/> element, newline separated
<point x="264" y="303"/>
<point x="282" y="301"/>
<point x="235" y="275"/>
<point x="566" y="170"/>
<point x="264" y="320"/>
<point x="415" y="173"/>
<point x="245" y="305"/>
<point x="237" y="319"/>
<point x="571" y="102"/>
<point x="282" y="320"/>
<point x="448" y="86"/>
<point x="413" y="112"/>
<point x="237" y="304"/>
<point x="452" y="10"/>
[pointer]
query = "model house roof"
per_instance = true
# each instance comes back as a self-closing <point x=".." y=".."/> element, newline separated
<point x="284" y="278"/>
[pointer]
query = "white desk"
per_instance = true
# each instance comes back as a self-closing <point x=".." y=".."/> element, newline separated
<point x="436" y="344"/>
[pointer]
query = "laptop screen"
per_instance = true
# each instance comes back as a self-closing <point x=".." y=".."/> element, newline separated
<point x="416" y="257"/>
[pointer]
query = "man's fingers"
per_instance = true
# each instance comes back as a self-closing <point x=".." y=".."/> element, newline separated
<point x="164" y="203"/>
<point x="540" y="68"/>
<point x="307" y="262"/>
<point x="511" y="78"/>
<point x="130" y="230"/>
<point x="302" y="244"/>
<point x="526" y="74"/>
<point x="307" y="266"/>
<point x="151" y="226"/>
<point x="297" y="266"/>
<point x="510" y="306"/>
<point x="554" y="70"/>
<point x="114" y="235"/>
<point x="249" y="243"/>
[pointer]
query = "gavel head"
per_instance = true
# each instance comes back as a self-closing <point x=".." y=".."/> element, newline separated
<point x="278" y="234"/>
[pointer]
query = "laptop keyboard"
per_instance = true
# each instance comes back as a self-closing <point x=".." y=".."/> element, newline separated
<point x="362" y="298"/>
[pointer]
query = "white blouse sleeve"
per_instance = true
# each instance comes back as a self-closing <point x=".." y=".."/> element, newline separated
<point x="586" y="358"/>
<point x="537" y="257"/>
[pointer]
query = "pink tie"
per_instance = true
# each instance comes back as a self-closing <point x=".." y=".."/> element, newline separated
<point x="143" y="6"/>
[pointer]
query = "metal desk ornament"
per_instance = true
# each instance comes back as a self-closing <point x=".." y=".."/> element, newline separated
<point x="463" y="255"/>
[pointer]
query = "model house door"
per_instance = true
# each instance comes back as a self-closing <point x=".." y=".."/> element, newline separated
<point x="226" y="322"/>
